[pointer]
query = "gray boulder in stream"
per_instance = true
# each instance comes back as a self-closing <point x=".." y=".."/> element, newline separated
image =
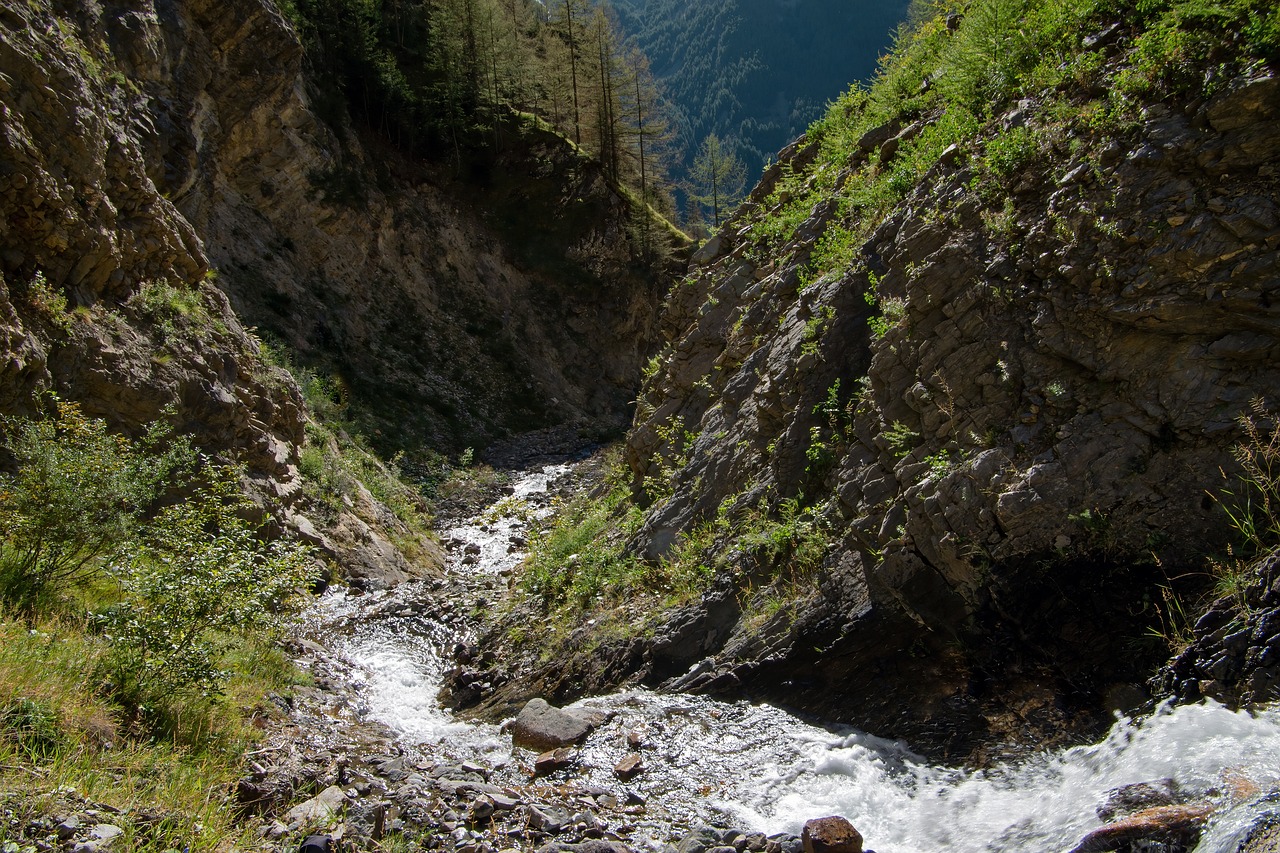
<point x="541" y="726"/>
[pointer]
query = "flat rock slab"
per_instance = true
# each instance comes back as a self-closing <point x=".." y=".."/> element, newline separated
<point x="830" y="835"/>
<point x="1162" y="823"/>
<point x="541" y="727"/>
<point x="629" y="767"/>
<point x="553" y="760"/>
<point x="317" y="810"/>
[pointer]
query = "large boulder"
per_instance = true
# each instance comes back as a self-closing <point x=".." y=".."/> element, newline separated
<point x="541" y="726"/>
<point x="830" y="835"/>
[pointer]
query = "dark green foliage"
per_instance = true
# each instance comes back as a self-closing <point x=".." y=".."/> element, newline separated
<point x="754" y="72"/>
<point x="197" y="574"/>
<point x="77" y="494"/>
<point x="81" y="508"/>
<point x="462" y="78"/>
<point x="32" y="725"/>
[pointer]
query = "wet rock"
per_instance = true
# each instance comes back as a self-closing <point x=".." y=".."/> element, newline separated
<point x="553" y="760"/>
<point x="482" y="808"/>
<point x="318" y="810"/>
<point x="784" y="842"/>
<point x="629" y="767"/>
<point x="832" y="834"/>
<point x="549" y="819"/>
<point x="699" y="840"/>
<point x="591" y="846"/>
<point x="1142" y="795"/>
<point x="1163" y="824"/>
<point x="541" y="726"/>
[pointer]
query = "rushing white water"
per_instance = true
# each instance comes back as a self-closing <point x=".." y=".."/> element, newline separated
<point x="757" y="767"/>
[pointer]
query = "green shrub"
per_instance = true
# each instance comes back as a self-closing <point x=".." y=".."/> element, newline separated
<point x="1262" y="34"/>
<point x="992" y="48"/>
<point x="48" y="302"/>
<point x="33" y="725"/>
<point x="170" y="308"/>
<point x="75" y="499"/>
<point x="198" y="575"/>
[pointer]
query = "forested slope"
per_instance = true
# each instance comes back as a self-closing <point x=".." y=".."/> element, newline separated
<point x="755" y="72"/>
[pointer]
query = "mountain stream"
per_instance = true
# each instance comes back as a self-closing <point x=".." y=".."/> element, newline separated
<point x="758" y="768"/>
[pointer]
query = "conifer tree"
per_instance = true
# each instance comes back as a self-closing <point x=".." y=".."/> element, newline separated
<point x="718" y="177"/>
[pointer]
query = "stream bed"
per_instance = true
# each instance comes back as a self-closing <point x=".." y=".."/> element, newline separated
<point x="757" y="768"/>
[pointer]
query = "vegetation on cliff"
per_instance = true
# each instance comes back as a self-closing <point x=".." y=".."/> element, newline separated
<point x="938" y="327"/>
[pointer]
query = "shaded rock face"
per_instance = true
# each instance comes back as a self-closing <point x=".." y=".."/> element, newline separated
<point x="107" y="295"/>
<point x="448" y="325"/>
<point x="152" y="140"/>
<point x="85" y="226"/>
<point x="162" y="171"/>
<point x="1011" y="471"/>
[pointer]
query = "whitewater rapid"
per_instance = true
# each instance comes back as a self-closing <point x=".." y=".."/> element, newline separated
<point x="756" y="767"/>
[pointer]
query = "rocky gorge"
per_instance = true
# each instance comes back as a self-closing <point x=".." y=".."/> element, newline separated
<point x="1009" y="402"/>
<point x="937" y="443"/>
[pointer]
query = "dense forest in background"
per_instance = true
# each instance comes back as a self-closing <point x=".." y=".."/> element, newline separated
<point x="755" y="73"/>
<point x="450" y="78"/>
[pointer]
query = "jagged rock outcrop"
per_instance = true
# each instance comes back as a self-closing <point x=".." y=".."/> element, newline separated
<point x="1020" y="454"/>
<point x="107" y="293"/>
<point x="1234" y="649"/>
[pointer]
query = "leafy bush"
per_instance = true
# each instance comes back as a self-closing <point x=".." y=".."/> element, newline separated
<point x="48" y="301"/>
<point x="185" y="577"/>
<point x="32" y="724"/>
<point x="74" y="500"/>
<point x="170" y="308"/>
<point x="198" y="574"/>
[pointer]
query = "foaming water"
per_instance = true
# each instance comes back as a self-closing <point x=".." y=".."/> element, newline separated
<point x="757" y="767"/>
<point x="766" y="770"/>
<point x="902" y="805"/>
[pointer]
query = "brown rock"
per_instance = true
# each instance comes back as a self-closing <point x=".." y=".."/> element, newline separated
<point x="830" y="835"/>
<point x="629" y="767"/>
<point x="552" y="760"/>
<point x="1181" y="824"/>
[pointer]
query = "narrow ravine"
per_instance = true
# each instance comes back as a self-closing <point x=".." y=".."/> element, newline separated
<point x="757" y="768"/>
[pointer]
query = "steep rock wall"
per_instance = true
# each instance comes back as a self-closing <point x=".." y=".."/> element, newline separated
<point x="1016" y="466"/>
<point x="413" y="285"/>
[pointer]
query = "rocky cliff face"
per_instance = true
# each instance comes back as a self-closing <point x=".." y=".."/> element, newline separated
<point x="165" y="181"/>
<point x="452" y="310"/>
<point x="1009" y="410"/>
<point x="108" y="294"/>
